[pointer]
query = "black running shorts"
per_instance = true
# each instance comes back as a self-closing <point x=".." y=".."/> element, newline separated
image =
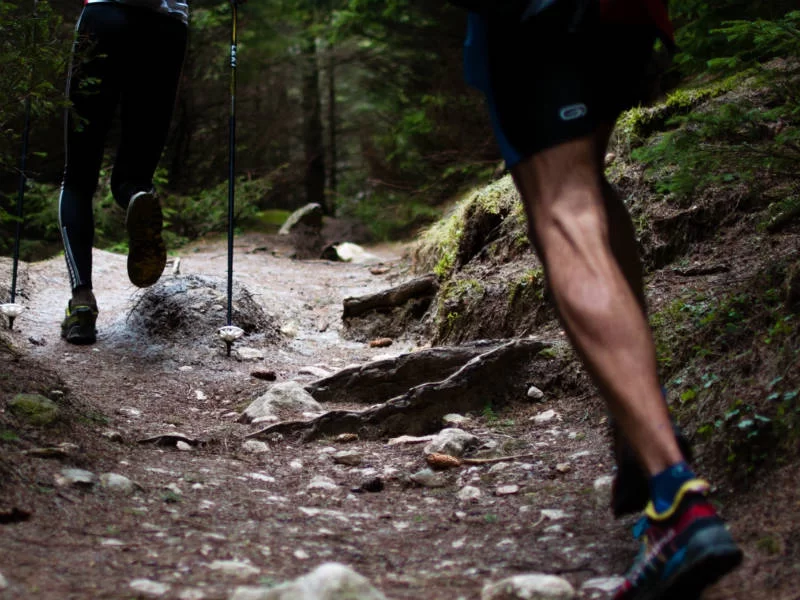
<point x="548" y="81"/>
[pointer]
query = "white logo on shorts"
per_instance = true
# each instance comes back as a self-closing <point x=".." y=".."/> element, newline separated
<point x="573" y="111"/>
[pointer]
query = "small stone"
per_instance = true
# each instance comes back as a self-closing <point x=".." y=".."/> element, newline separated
<point x="117" y="483"/>
<point x="191" y="594"/>
<point x="173" y="487"/>
<point x="372" y="485"/>
<point x="236" y="568"/>
<point x="347" y="457"/>
<point x="469" y="493"/>
<point x="346" y="438"/>
<point x="75" y="478"/>
<point x="34" y="409"/>
<point x="600" y="587"/>
<point x="320" y="482"/>
<point x="563" y="467"/>
<point x="315" y="371"/>
<point x="185" y="368"/>
<point x="263" y="374"/>
<point x="183" y="446"/>
<point x="255" y="447"/>
<point x="301" y="554"/>
<point x="554" y="514"/>
<point x="3" y="582"/>
<point x="290" y="329"/>
<point x="602" y="490"/>
<point x="497" y="468"/>
<point x="381" y="342"/>
<point x="246" y="353"/>
<point x="296" y="465"/>
<point x="610" y="158"/>
<point x="506" y="490"/>
<point x="200" y="395"/>
<point x="427" y="478"/>
<point x="455" y="419"/>
<point x="129" y="411"/>
<point x="545" y="417"/>
<point x="451" y="441"/>
<point x="581" y="454"/>
<point x="113" y="436"/>
<point x="149" y="588"/>
<point x="535" y="393"/>
<point x="534" y="586"/>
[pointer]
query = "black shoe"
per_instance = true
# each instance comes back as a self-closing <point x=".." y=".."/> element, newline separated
<point x="630" y="491"/>
<point x="78" y="326"/>
<point x="147" y="254"/>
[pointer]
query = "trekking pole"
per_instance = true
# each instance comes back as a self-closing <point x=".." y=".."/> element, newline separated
<point x="230" y="332"/>
<point x="11" y="309"/>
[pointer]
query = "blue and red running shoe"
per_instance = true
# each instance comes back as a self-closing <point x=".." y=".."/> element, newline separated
<point x="684" y="549"/>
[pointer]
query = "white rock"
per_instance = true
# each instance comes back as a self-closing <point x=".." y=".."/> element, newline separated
<point x="600" y="587"/>
<point x="237" y="568"/>
<point x="451" y="441"/>
<point x="117" y="483"/>
<point x="535" y="586"/>
<point x="602" y="490"/>
<point x="554" y="514"/>
<point x="290" y="329"/>
<point x="3" y="582"/>
<point x="130" y="412"/>
<point x="545" y="417"/>
<point x="75" y="477"/>
<point x="261" y="477"/>
<point x="150" y="588"/>
<point x="191" y="594"/>
<point x="506" y="490"/>
<point x="469" y="493"/>
<point x="350" y="252"/>
<point x="285" y="396"/>
<point x="320" y="482"/>
<point x="296" y="465"/>
<point x="454" y="419"/>
<point x="183" y="446"/>
<point x="501" y="466"/>
<point x="535" y="393"/>
<point x="301" y="554"/>
<point x="329" y="581"/>
<point x="255" y="447"/>
<point x="200" y="395"/>
<point x="246" y="353"/>
<point x="347" y="457"/>
<point x="315" y="371"/>
<point x="427" y="478"/>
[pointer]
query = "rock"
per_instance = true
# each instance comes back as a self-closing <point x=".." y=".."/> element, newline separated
<point x="346" y="438"/>
<point x="149" y="588"/>
<point x="237" y="568"/>
<point x="315" y="371"/>
<point x="320" y="482"/>
<point x="554" y="514"/>
<point x="349" y="252"/>
<point x="506" y="490"/>
<point x="3" y="582"/>
<point x="563" y="467"/>
<point x="602" y="490"/>
<point x="535" y="586"/>
<point x="34" y="409"/>
<point x="113" y="436"/>
<point x="372" y="485"/>
<point x="75" y="478"/>
<point x="347" y="457"/>
<point x="246" y="353"/>
<point x="427" y="478"/>
<point x="117" y="483"/>
<point x="290" y="329"/>
<point x="454" y="419"/>
<point x="191" y="594"/>
<point x="451" y="441"/>
<point x="610" y="158"/>
<point x="535" y="393"/>
<point x="545" y="417"/>
<point x="469" y="493"/>
<point x="600" y="587"/>
<point x="284" y="396"/>
<point x="384" y="342"/>
<point x="255" y="447"/>
<point x="329" y="581"/>
<point x="263" y="374"/>
<point x="309" y="215"/>
<point x="183" y="446"/>
<point x="410" y="439"/>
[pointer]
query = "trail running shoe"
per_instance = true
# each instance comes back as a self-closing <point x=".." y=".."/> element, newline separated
<point x="684" y="550"/>
<point x="630" y="491"/>
<point x="147" y="254"/>
<point x="78" y="326"/>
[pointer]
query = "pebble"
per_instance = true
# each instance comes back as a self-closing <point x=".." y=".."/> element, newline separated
<point x="3" y="582"/>
<point x="506" y="490"/>
<point x="563" y="467"/>
<point x="150" y="588"/>
<point x="255" y="447"/>
<point x="455" y="419"/>
<point x="114" y="436"/>
<point x="602" y="490"/>
<point x="469" y="493"/>
<point x="191" y="594"/>
<point x="183" y="446"/>
<point x="554" y="514"/>
<point x="117" y="483"/>
<point x="535" y="586"/>
<point x="545" y="417"/>
<point x="315" y="371"/>
<point x="428" y="478"/>
<point x="237" y="568"/>
<point x="535" y="393"/>
<point x="600" y="587"/>
<point x="320" y="482"/>
<point x="75" y="477"/>
<point x="246" y="353"/>
<point x="347" y="457"/>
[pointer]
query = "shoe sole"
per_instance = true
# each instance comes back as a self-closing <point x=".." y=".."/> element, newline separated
<point x="711" y="555"/>
<point x="147" y="254"/>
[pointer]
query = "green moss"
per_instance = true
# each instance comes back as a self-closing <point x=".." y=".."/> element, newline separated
<point x="530" y="281"/>
<point x="34" y="409"/>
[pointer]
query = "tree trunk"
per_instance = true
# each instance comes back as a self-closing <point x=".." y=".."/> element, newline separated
<point x="314" y="147"/>
<point x="332" y="169"/>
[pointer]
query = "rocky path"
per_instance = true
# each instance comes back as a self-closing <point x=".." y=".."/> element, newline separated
<point x="203" y="512"/>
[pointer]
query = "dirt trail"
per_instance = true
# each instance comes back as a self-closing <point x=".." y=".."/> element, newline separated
<point x="218" y="502"/>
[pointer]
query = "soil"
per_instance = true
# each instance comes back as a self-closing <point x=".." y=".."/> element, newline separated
<point x="151" y="373"/>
